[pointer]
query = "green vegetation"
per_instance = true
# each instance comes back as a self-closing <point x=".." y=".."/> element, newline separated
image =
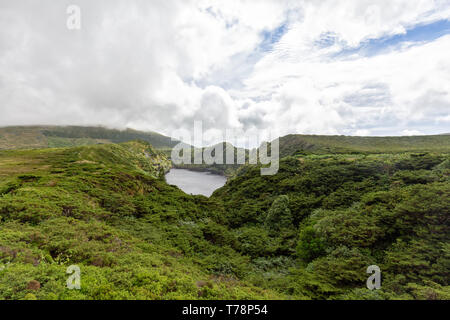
<point x="300" y="145"/>
<point x="224" y="169"/>
<point x="106" y="209"/>
<point x="305" y="144"/>
<point x="308" y="232"/>
<point x="326" y="218"/>
<point x="70" y="136"/>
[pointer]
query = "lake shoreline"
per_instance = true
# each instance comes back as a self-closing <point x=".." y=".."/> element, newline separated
<point x="197" y="168"/>
<point x="195" y="182"/>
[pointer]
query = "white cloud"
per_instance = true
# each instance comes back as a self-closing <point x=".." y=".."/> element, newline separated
<point x="161" y="65"/>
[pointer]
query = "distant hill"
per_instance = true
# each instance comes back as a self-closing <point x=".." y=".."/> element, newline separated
<point x="296" y="143"/>
<point x="224" y="168"/>
<point x="32" y="137"/>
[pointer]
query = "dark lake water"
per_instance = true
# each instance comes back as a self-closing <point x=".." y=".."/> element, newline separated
<point x="193" y="182"/>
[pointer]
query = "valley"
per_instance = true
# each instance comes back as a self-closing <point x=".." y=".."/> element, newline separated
<point x="308" y="232"/>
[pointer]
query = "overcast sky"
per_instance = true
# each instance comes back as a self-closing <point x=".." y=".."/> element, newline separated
<point x="324" y="67"/>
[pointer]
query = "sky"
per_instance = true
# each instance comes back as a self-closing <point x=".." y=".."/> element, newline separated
<point x="353" y="67"/>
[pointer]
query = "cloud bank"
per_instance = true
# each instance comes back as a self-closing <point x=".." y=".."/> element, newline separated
<point x="328" y="67"/>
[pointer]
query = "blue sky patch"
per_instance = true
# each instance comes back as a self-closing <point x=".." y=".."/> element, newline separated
<point x="272" y="37"/>
<point x="419" y="33"/>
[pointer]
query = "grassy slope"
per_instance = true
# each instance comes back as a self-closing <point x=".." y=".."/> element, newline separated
<point x="292" y="144"/>
<point x="104" y="209"/>
<point x="69" y="136"/>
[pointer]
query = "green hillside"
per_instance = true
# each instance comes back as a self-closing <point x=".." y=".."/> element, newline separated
<point x="322" y="145"/>
<point x="26" y="137"/>
<point x="222" y="169"/>
<point x="308" y="232"/>
<point x="314" y="228"/>
<point x="69" y="136"/>
<point x="296" y="143"/>
<point x="106" y="209"/>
